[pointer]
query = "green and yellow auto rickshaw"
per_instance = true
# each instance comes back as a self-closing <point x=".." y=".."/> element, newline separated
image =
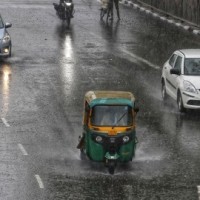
<point x="109" y="127"/>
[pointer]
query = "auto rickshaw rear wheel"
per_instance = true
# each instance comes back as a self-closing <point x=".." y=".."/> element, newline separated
<point x="82" y="154"/>
<point x="180" y="103"/>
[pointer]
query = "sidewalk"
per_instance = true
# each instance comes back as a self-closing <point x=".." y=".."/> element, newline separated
<point x="179" y="22"/>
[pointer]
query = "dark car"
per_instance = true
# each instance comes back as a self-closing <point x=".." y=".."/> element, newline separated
<point x="5" y="39"/>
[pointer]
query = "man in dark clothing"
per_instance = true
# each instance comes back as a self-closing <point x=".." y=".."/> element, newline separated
<point x="68" y="1"/>
<point x="116" y="2"/>
<point x="110" y="9"/>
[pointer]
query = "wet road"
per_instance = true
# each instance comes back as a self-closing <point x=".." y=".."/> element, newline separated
<point x="42" y="88"/>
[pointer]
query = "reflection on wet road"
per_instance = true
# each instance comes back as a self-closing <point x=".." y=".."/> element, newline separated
<point x="67" y="63"/>
<point x="5" y="76"/>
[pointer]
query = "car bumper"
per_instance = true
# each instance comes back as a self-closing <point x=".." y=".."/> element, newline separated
<point x="191" y="100"/>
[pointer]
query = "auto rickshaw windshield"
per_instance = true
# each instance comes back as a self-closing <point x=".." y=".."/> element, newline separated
<point x="112" y="115"/>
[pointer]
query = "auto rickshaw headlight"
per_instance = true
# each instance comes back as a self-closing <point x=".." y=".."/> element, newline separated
<point x="125" y="138"/>
<point x="98" y="138"/>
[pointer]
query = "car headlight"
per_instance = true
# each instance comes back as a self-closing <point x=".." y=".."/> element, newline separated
<point x="189" y="87"/>
<point x="125" y="138"/>
<point x="98" y="138"/>
<point x="6" y="38"/>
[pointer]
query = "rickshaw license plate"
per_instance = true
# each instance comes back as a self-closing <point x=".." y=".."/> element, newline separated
<point x="112" y="140"/>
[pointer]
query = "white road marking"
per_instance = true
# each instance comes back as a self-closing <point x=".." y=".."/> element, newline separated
<point x="135" y="5"/>
<point x="23" y="150"/>
<point x="39" y="180"/>
<point x="186" y="27"/>
<point x="130" y="3"/>
<point x="138" y="58"/>
<point x="198" y="190"/>
<point x="178" y="24"/>
<point x="148" y="11"/>
<point x="132" y="55"/>
<point x="5" y="122"/>
<point x="163" y="18"/>
<point x="142" y="9"/>
<point x="170" y="21"/>
<point x="196" y="31"/>
<point x="155" y="14"/>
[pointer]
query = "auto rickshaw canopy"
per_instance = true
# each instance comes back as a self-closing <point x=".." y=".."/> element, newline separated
<point x="109" y="97"/>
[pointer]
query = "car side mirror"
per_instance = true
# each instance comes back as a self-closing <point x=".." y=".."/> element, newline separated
<point x="175" y="71"/>
<point x="8" y="25"/>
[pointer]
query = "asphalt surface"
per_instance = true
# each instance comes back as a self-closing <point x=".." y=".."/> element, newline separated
<point x="42" y="87"/>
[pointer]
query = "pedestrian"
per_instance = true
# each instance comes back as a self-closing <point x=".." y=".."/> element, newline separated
<point x="116" y="2"/>
<point x="110" y="10"/>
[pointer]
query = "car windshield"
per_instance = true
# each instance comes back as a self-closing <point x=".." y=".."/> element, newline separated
<point x="1" y="23"/>
<point x="112" y="115"/>
<point x="192" y="66"/>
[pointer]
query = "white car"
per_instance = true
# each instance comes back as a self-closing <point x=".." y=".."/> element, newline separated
<point x="181" y="78"/>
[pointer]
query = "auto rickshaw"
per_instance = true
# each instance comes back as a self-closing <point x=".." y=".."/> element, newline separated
<point x="109" y="127"/>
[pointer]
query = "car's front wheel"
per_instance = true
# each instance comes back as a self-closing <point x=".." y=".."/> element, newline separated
<point x="180" y="103"/>
<point x="10" y="51"/>
<point x="163" y="90"/>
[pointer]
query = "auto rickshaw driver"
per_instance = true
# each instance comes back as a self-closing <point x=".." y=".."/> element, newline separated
<point x="111" y="116"/>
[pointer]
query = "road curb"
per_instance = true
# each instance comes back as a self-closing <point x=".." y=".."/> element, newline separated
<point x="179" y="23"/>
